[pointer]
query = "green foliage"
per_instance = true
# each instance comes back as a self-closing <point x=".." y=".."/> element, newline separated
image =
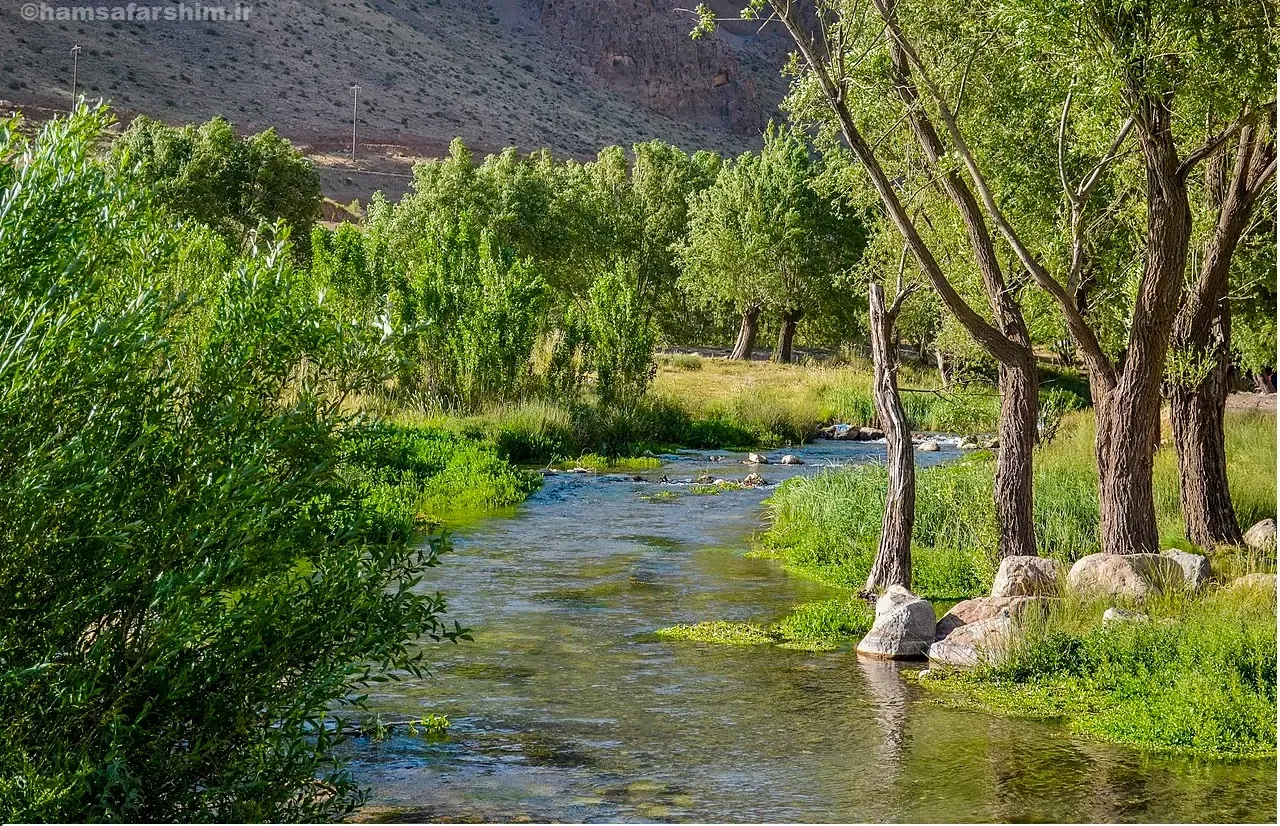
<point x="813" y="626"/>
<point x="211" y="175"/>
<point x="192" y="585"/>
<point x="1199" y="676"/>
<point x="472" y="312"/>
<point x="828" y="525"/>
<point x="621" y="339"/>
<point x="763" y="235"/>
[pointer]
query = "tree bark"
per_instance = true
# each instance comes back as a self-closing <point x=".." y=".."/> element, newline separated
<point x="1129" y="420"/>
<point x="892" y="564"/>
<point x="1202" y="332"/>
<point x="943" y="378"/>
<point x="1016" y="432"/>
<point x="786" y="335"/>
<point x="746" y="343"/>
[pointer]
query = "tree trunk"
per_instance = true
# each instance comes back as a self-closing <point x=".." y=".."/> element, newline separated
<point x="943" y="378"/>
<point x="746" y="343"/>
<point x="1202" y="332"/>
<point x="1019" y="410"/>
<point x="1197" y="415"/>
<point x="786" y="335"/>
<point x="1129" y="416"/>
<point x="892" y="564"/>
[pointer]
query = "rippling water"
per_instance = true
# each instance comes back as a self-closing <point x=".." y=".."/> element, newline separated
<point x="564" y="708"/>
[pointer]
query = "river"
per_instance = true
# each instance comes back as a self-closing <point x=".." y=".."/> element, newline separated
<point x="565" y="708"/>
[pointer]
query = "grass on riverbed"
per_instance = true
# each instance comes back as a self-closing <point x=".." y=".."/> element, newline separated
<point x="827" y="526"/>
<point x="814" y="626"/>
<point x="1198" y="677"/>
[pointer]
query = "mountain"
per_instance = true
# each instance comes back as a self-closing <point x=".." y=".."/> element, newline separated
<point x="571" y="75"/>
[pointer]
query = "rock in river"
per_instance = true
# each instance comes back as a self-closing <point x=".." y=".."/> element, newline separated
<point x="1132" y="576"/>
<point x="1026" y="576"/>
<point x="792" y="460"/>
<point x="754" y="480"/>
<point x="930" y="446"/>
<point x="756" y="459"/>
<point x="981" y="609"/>
<point x="903" y="628"/>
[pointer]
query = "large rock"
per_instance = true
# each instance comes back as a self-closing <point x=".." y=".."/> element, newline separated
<point x="791" y="460"/>
<point x="1258" y="582"/>
<point x="903" y="628"/>
<point x="1131" y="576"/>
<point x="1022" y="576"/>
<point x="869" y="434"/>
<point x="977" y="642"/>
<point x="1195" y="568"/>
<point x="756" y="459"/>
<point x="1262" y="536"/>
<point x="930" y="446"/>
<point x="981" y="609"/>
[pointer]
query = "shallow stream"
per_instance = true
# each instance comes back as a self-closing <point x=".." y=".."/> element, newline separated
<point x="565" y="708"/>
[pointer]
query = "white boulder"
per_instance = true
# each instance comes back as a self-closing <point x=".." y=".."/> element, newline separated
<point x="903" y="628"/>
<point x="1262" y="536"/>
<point x="1195" y="568"/>
<point x="984" y="642"/>
<point x="1026" y="576"/>
<point x="1127" y="576"/>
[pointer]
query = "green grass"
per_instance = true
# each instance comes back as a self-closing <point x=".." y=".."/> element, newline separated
<point x="827" y="526"/>
<point x="814" y="626"/>
<point x="1198" y="677"/>
<point x="415" y="475"/>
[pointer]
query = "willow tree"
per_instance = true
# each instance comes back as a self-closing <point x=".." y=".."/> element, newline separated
<point x="892" y="565"/>
<point x="765" y="238"/>
<point x="1236" y="178"/>
<point x="1148" y="71"/>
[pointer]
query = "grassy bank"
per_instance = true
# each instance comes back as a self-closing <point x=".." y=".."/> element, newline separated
<point x="716" y="404"/>
<point x="412" y="478"/>
<point x="1198" y="677"/>
<point x="827" y="526"/>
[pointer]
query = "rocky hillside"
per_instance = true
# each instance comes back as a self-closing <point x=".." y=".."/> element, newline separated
<point x="569" y="74"/>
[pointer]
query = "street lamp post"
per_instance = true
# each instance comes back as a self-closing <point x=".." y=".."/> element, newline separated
<point x="75" y="74"/>
<point x="355" y="102"/>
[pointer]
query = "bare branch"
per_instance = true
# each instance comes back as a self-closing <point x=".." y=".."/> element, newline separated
<point x="1210" y="146"/>
<point x="1062" y="147"/>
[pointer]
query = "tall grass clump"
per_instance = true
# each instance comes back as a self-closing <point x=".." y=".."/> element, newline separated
<point x="829" y="525"/>
<point x="190" y="580"/>
<point x="1198" y="676"/>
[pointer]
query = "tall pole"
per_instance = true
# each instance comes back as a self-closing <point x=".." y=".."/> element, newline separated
<point x="355" y="102"/>
<point x="75" y="72"/>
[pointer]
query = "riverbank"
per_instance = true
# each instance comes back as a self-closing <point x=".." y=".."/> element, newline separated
<point x="1200" y="677"/>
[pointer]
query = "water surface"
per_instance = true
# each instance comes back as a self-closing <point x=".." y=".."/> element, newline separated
<point x="565" y="708"/>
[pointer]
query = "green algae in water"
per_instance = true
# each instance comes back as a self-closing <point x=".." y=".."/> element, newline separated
<point x="814" y="626"/>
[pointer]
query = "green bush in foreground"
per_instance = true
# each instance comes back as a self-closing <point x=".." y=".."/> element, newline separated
<point x="1199" y="676"/>
<point x="188" y="581"/>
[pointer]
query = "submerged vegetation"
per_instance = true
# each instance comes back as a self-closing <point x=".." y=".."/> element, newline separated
<point x="814" y="626"/>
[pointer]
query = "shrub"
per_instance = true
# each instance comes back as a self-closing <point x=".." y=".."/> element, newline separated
<point x="190" y="586"/>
